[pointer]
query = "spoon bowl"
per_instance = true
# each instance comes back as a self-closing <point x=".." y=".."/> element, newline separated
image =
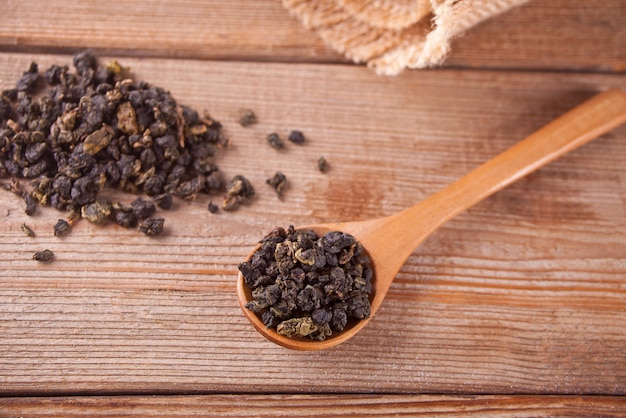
<point x="390" y="240"/>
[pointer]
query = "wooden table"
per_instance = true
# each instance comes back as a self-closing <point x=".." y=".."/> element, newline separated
<point x="517" y="307"/>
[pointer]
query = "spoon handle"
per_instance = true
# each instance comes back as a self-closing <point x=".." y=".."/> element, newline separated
<point x="580" y="125"/>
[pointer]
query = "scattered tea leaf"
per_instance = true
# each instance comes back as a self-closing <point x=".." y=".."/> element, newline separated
<point x="27" y="230"/>
<point x="278" y="182"/>
<point x="275" y="141"/>
<point x="322" y="164"/>
<point x="247" y="118"/>
<point x="238" y="191"/>
<point x="43" y="256"/>
<point x="152" y="226"/>
<point x="297" y="137"/>
<point x="61" y="228"/>
<point x="213" y="208"/>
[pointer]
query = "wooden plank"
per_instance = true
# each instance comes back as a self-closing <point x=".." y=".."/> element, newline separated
<point x="315" y="406"/>
<point x="524" y="293"/>
<point x="559" y="34"/>
<point x="238" y="29"/>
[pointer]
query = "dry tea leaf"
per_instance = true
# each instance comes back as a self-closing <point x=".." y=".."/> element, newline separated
<point x="74" y="133"/>
<point x="322" y="164"/>
<point x="124" y="215"/>
<point x="61" y="228"/>
<point x="143" y="208"/>
<point x="212" y="207"/>
<point x="43" y="256"/>
<point x="164" y="201"/>
<point x="152" y="226"/>
<point x="97" y="212"/>
<point x="278" y="182"/>
<point x="308" y="286"/>
<point x="98" y="140"/>
<point x="297" y="137"/>
<point x="117" y="69"/>
<point x="27" y="230"/>
<point x="247" y="118"/>
<point x="239" y="191"/>
<point x="275" y="141"/>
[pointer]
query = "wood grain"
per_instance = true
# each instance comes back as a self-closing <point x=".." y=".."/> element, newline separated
<point x="390" y="240"/>
<point x="559" y="34"/>
<point x="316" y="405"/>
<point x="525" y="293"/>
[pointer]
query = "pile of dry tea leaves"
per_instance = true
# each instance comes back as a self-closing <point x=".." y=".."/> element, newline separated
<point x="304" y="285"/>
<point x="73" y="133"/>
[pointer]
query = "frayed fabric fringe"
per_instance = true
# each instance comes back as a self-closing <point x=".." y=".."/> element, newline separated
<point x="392" y="35"/>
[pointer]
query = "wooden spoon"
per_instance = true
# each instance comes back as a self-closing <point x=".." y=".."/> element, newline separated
<point x="389" y="241"/>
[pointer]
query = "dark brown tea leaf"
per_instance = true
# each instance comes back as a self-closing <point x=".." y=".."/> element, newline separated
<point x="75" y="133"/>
<point x="152" y="226"/>
<point x="278" y="182"/>
<point x="62" y="228"/>
<point x="247" y="118"/>
<point x="308" y="286"/>
<point x="27" y="230"/>
<point x="43" y="256"/>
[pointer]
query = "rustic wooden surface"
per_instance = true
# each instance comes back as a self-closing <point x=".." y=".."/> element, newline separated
<point x="320" y="405"/>
<point x="521" y="297"/>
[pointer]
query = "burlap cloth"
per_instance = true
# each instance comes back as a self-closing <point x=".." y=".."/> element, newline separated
<point x="391" y="35"/>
